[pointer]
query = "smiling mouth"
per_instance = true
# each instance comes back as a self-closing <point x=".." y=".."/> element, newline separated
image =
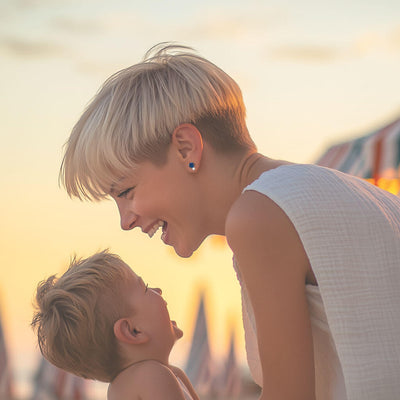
<point x="155" y="228"/>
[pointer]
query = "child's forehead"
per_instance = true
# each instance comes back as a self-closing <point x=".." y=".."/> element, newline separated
<point x="133" y="277"/>
<point x="133" y="283"/>
<point x="130" y="273"/>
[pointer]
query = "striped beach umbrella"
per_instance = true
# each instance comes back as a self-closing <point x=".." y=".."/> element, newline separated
<point x="228" y="382"/>
<point x="374" y="156"/>
<point x="5" y="370"/>
<point x="200" y="364"/>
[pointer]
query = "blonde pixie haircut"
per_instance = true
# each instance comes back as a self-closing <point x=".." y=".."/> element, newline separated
<point x="132" y="118"/>
<point x="75" y="316"/>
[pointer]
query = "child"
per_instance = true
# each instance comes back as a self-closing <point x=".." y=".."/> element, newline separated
<point x="99" y="320"/>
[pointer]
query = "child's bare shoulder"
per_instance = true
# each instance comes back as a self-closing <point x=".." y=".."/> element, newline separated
<point x="183" y="377"/>
<point x="139" y="378"/>
<point x="178" y="372"/>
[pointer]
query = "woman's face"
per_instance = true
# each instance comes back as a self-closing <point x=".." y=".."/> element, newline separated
<point x="165" y="197"/>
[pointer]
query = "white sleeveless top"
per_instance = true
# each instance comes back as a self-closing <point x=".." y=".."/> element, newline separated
<point x="350" y="231"/>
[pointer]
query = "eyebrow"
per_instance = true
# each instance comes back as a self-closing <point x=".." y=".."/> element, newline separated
<point x="112" y="187"/>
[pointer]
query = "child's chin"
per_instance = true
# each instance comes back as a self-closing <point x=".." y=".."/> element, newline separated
<point x="178" y="332"/>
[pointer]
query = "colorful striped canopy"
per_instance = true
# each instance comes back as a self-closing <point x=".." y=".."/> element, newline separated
<point x="375" y="157"/>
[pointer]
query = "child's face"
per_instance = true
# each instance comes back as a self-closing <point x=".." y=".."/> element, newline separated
<point x="151" y="313"/>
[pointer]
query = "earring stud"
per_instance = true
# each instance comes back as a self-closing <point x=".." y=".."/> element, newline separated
<point x="191" y="166"/>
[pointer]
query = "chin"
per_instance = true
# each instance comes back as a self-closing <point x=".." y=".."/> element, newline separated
<point x="178" y="334"/>
<point x="183" y="252"/>
<point x="188" y="251"/>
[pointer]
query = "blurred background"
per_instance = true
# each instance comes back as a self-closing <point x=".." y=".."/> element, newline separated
<point x="313" y="73"/>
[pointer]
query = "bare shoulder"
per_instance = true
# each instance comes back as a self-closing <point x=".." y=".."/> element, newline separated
<point x="146" y="380"/>
<point x="184" y="378"/>
<point x="274" y="267"/>
<point x="257" y="224"/>
<point x="177" y="371"/>
<point x="256" y="219"/>
<point x="251" y="208"/>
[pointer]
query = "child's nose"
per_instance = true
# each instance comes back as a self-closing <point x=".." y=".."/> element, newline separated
<point x="157" y="290"/>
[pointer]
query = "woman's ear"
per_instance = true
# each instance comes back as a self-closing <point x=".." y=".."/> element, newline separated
<point x="125" y="331"/>
<point x="189" y="143"/>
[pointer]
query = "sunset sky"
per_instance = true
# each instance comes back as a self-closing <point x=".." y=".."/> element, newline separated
<point x="312" y="73"/>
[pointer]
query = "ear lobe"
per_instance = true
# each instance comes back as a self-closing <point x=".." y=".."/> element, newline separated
<point x="126" y="332"/>
<point x="189" y="142"/>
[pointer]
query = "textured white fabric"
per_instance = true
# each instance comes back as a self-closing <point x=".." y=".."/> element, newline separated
<point x="329" y="379"/>
<point x="351" y="233"/>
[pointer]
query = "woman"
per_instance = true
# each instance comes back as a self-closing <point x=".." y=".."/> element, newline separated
<point x="316" y="251"/>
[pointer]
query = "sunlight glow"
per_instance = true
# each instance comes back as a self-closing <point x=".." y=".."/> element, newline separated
<point x="391" y="185"/>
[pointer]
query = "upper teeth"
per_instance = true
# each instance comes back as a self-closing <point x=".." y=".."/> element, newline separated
<point x="155" y="228"/>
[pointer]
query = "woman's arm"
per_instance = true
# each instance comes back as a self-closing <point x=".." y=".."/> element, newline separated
<point x="274" y="268"/>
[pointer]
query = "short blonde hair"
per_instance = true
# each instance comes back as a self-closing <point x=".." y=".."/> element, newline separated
<point x="132" y="118"/>
<point x="75" y="316"/>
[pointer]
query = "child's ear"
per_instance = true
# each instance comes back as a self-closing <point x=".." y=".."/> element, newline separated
<point x="125" y="331"/>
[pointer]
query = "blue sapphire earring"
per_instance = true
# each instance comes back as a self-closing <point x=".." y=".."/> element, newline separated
<point x="191" y="166"/>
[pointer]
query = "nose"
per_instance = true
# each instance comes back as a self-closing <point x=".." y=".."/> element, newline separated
<point x="157" y="290"/>
<point x="128" y="217"/>
<point x="128" y="221"/>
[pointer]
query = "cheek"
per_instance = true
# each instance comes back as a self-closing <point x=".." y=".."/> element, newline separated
<point x="125" y="206"/>
<point x="140" y="204"/>
<point x="159" y="308"/>
<point x="149" y="209"/>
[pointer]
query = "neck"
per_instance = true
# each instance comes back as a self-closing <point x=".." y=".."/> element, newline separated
<point x="137" y="363"/>
<point x="224" y="178"/>
<point x="249" y="169"/>
<point x="252" y="166"/>
<point x="134" y="355"/>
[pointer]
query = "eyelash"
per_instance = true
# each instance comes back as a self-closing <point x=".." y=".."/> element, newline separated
<point x="124" y="193"/>
<point x="147" y="286"/>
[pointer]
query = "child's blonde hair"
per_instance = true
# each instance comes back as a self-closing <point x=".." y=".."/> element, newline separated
<point x="132" y="118"/>
<point x="75" y="316"/>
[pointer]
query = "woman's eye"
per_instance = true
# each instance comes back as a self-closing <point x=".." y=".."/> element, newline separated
<point x="125" y="193"/>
